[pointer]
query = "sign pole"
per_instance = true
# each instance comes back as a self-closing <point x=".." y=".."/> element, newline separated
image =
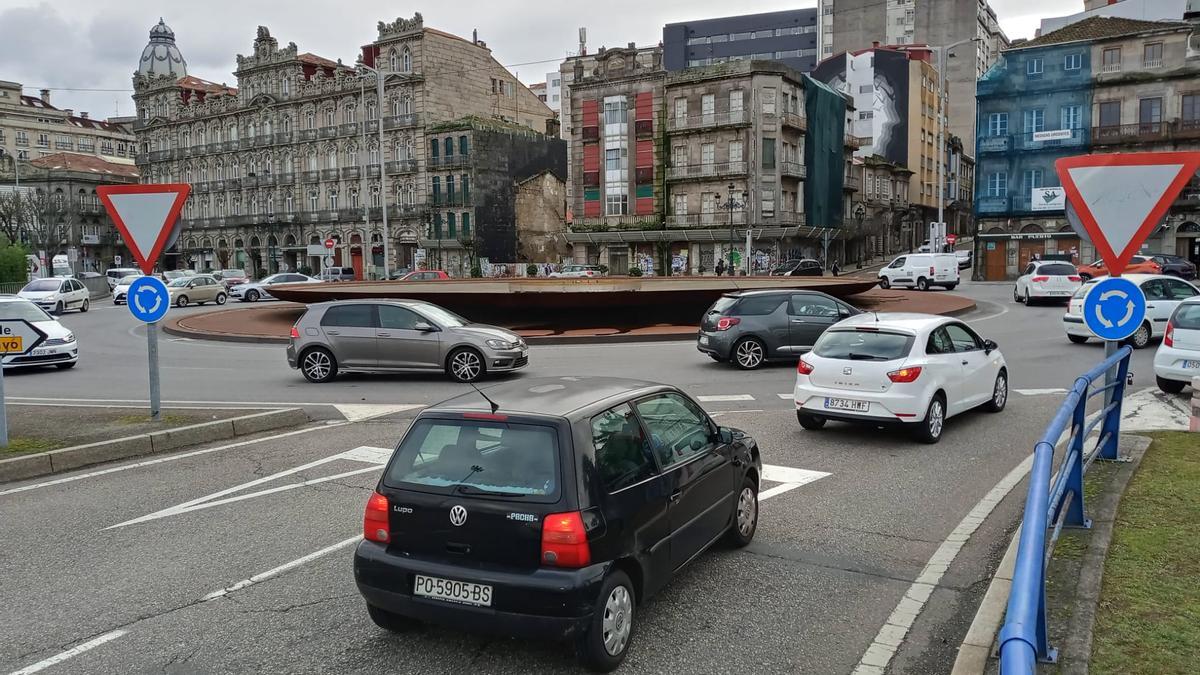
<point x="152" y="350"/>
<point x="3" y="413"/>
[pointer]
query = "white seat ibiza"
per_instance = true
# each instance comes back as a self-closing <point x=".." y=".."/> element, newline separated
<point x="912" y="369"/>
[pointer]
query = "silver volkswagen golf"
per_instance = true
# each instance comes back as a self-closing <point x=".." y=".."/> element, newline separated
<point x="381" y="335"/>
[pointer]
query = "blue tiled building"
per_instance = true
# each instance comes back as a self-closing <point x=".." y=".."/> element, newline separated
<point x="1034" y="106"/>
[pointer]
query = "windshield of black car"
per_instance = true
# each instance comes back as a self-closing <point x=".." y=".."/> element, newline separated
<point x="442" y="317"/>
<point x="478" y="457"/>
<point x="864" y="345"/>
<point x="22" y="310"/>
<point x="1057" y="270"/>
<point x="42" y="285"/>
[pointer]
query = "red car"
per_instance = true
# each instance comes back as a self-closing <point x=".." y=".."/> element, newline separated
<point x="1137" y="265"/>
<point x="425" y="275"/>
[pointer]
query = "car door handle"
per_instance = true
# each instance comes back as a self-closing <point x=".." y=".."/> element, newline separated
<point x="1149" y="306"/>
<point x="965" y="362"/>
<point x="333" y="332"/>
<point x="383" y="335"/>
<point x="676" y="495"/>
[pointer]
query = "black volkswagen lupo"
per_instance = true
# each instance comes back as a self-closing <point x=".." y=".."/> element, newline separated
<point x="552" y="508"/>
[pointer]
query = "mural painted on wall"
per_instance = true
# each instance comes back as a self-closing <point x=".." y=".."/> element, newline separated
<point x="877" y="80"/>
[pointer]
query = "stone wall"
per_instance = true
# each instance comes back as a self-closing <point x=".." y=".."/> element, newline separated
<point x="541" y="212"/>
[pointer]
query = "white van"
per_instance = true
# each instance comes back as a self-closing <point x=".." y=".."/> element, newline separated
<point x="115" y="274"/>
<point x="921" y="271"/>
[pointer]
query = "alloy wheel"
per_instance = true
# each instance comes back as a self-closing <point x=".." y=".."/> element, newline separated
<point x="317" y="365"/>
<point x="747" y="511"/>
<point x="618" y="620"/>
<point x="1000" y="395"/>
<point x="466" y="366"/>
<point x="1141" y="338"/>
<point x="937" y="417"/>
<point x="749" y="354"/>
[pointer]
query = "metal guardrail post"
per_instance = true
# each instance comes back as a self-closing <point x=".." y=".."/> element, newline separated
<point x="1110" y="430"/>
<point x="1075" y="517"/>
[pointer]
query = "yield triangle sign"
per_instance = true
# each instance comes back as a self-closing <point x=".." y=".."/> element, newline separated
<point x="145" y="215"/>
<point x="1121" y="198"/>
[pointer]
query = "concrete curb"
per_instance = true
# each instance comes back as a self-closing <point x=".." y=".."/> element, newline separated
<point x="978" y="644"/>
<point x="67" y="459"/>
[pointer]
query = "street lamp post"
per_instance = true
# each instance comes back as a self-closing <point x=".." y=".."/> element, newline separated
<point x="941" y="136"/>
<point x="731" y="203"/>
<point x="387" y="233"/>
<point x="860" y="212"/>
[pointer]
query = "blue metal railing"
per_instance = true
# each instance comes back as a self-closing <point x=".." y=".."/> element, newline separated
<point x="1048" y="508"/>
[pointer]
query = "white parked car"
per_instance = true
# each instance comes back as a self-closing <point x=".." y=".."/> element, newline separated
<point x="913" y="369"/>
<point x="577" y="272"/>
<point x="120" y="292"/>
<point x="1177" y="360"/>
<point x="1047" y="280"/>
<point x="921" y="271"/>
<point x="57" y="295"/>
<point x="1163" y="294"/>
<point x="253" y="291"/>
<point x="59" y="348"/>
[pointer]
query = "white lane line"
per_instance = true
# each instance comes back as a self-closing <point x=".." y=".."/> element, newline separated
<point x="70" y="653"/>
<point x="1040" y="392"/>
<point x="890" y="636"/>
<point x="790" y="395"/>
<point x="172" y="458"/>
<point x="724" y="397"/>
<point x="376" y="457"/>
<point x="282" y="568"/>
<point x="1003" y="310"/>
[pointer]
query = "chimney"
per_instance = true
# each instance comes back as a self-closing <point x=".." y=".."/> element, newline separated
<point x="45" y="96"/>
<point x="475" y="36"/>
<point x="70" y="112"/>
<point x="83" y="115"/>
<point x="875" y="44"/>
<point x="633" y="45"/>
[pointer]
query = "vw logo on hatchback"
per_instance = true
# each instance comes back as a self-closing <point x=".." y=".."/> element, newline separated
<point x="458" y="515"/>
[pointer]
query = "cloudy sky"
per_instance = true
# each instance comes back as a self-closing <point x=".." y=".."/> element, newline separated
<point x="83" y="44"/>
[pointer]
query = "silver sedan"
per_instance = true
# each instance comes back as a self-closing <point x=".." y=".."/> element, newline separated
<point x="253" y="291"/>
<point x="399" y="335"/>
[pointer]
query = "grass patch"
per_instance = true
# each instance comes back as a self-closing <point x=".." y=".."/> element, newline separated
<point x="1149" y="615"/>
<point x="24" y="446"/>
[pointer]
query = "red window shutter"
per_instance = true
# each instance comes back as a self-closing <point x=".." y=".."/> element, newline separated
<point x="645" y="106"/>
<point x="591" y="113"/>
<point x="591" y="158"/>
<point x="591" y="209"/>
<point x="644" y="206"/>
<point x="645" y="154"/>
<point x="591" y="178"/>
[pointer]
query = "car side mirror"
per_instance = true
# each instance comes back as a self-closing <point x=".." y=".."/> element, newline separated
<point x="844" y="312"/>
<point x="424" y="327"/>
<point x="989" y="346"/>
<point x="725" y="435"/>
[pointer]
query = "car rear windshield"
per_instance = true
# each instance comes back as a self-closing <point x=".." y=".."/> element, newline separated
<point x="1057" y="270"/>
<point x="863" y="345"/>
<point x="478" y="458"/>
<point x="1187" y="317"/>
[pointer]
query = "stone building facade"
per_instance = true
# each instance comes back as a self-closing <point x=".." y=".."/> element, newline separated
<point x="30" y="127"/>
<point x="291" y="156"/>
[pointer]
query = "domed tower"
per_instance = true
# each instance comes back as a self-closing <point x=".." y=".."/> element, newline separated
<point x="161" y="57"/>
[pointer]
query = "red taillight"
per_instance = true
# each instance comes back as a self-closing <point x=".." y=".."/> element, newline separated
<point x="1169" y="336"/>
<point x="1156" y="268"/>
<point x="804" y="367"/>
<point x="375" y="520"/>
<point x="1074" y="278"/>
<point x="564" y="541"/>
<point x="727" y="322"/>
<point x="905" y="374"/>
<point x="1040" y="280"/>
<point x="295" y="332"/>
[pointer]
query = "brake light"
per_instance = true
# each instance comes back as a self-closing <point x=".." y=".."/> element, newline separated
<point x="1074" y="278"/>
<point x="727" y="322"/>
<point x="295" y="332"/>
<point x="1040" y="280"/>
<point x="375" y="520"/>
<point x="905" y="374"/>
<point x="1169" y="336"/>
<point x="491" y="417"/>
<point x="804" y="367"/>
<point x="1156" y="268"/>
<point x="564" y="541"/>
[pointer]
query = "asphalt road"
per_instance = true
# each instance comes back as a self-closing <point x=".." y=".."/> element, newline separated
<point x="117" y="566"/>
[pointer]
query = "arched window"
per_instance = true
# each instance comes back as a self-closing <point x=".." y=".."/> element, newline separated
<point x="333" y="200"/>
<point x="406" y="105"/>
<point x="312" y="160"/>
<point x="393" y="62"/>
<point x="220" y="170"/>
<point x="331" y="158"/>
<point x="235" y="170"/>
<point x="267" y="127"/>
<point x="464" y="147"/>
<point x="395" y="107"/>
<point x="200" y="137"/>
<point x="352" y="155"/>
<point x="314" y="201"/>
<point x="354" y="198"/>
<point x="348" y="115"/>
<point x="310" y="120"/>
<point x="288" y="204"/>
<point x="406" y="61"/>
<point x="373" y="154"/>
<point x="285" y="124"/>
<point x="233" y="132"/>
<point x="374" y="196"/>
<point x="185" y="139"/>
<point x="252" y="130"/>
<point x="401" y="150"/>
<point x="203" y="172"/>
<point x="287" y="86"/>
<point x="330" y="117"/>
<point x="372" y="109"/>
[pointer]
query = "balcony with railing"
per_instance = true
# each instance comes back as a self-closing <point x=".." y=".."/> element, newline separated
<point x="327" y="132"/>
<point x="1142" y="132"/>
<point x="283" y="137"/>
<point x="310" y="176"/>
<point x="285" y="178"/>
<point x="1151" y="64"/>
<point x="348" y="129"/>
<point x="401" y="166"/>
<point x="351" y="173"/>
<point x="793" y="169"/>
<point x="856" y="142"/>
<point x="1110" y="67"/>
<point x="329" y="174"/>
<point x="850" y="183"/>
<point x="307" y="134"/>
<point x="794" y="120"/>
<point x="704" y="171"/>
<point x="401" y="211"/>
<point x="992" y="204"/>
<point x="449" y="161"/>
<point x="712" y="219"/>
<point x="707" y="121"/>
<point x="457" y="199"/>
<point x="400" y="121"/>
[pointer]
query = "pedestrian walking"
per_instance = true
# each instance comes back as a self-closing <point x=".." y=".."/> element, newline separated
<point x="836" y="268"/>
<point x="721" y="267"/>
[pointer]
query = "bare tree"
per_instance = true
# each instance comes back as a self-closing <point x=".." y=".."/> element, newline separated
<point x="50" y="228"/>
<point x="17" y="210"/>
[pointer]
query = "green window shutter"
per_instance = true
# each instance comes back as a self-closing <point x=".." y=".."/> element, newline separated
<point x="644" y="191"/>
<point x="592" y="194"/>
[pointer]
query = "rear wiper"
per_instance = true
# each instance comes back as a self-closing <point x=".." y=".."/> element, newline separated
<point x="862" y="357"/>
<point x="472" y="490"/>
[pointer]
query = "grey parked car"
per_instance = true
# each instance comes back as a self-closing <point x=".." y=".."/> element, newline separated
<point x="399" y="335"/>
<point x="752" y="327"/>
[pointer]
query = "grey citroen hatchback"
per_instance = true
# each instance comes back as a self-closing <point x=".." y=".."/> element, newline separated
<point x="750" y="328"/>
<point x="381" y="335"/>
